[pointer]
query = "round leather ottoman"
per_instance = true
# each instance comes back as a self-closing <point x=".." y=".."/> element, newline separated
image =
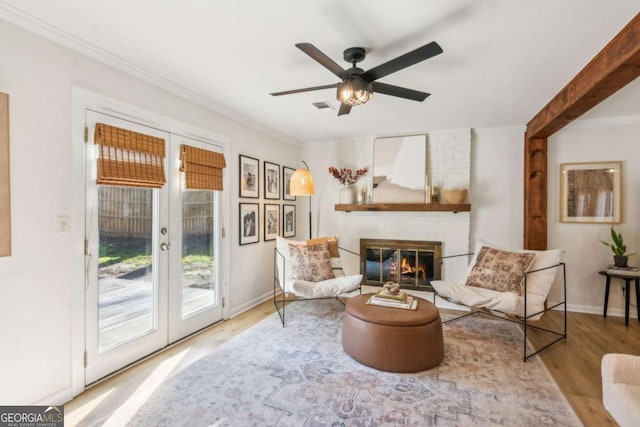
<point x="393" y="339"/>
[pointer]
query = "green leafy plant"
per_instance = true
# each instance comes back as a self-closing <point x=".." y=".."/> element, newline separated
<point x="617" y="246"/>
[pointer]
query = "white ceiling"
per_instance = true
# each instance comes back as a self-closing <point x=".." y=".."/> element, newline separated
<point x="503" y="60"/>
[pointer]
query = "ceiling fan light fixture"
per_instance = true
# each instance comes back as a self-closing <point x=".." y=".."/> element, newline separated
<point x="357" y="86"/>
<point x="354" y="91"/>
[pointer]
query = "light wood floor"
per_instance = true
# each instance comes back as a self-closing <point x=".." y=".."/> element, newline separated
<point x="574" y="364"/>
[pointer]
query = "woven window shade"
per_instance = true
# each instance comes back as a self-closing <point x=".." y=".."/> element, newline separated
<point x="129" y="158"/>
<point x="202" y="168"/>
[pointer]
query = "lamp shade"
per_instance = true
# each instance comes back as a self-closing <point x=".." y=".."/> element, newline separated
<point x="301" y="183"/>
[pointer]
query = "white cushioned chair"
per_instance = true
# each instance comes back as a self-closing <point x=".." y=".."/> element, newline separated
<point x="621" y="388"/>
<point x="288" y="281"/>
<point x="515" y="283"/>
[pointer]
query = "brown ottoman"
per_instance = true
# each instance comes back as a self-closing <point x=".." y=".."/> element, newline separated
<point x="393" y="339"/>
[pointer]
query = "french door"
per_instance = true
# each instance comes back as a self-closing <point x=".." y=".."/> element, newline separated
<point x="152" y="259"/>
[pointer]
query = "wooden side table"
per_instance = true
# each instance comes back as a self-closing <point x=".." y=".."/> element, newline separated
<point x="627" y="288"/>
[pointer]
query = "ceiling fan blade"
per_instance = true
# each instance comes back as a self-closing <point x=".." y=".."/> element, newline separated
<point x="344" y="109"/>
<point x="322" y="59"/>
<point x="306" y="89"/>
<point x="403" y="61"/>
<point x="400" y="92"/>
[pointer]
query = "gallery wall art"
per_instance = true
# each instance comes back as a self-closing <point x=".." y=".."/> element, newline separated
<point x="271" y="181"/>
<point x="249" y="223"/>
<point x="249" y="177"/>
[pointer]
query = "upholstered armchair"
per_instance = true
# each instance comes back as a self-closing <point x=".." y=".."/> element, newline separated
<point x="621" y="388"/>
<point x="308" y="270"/>
<point x="513" y="284"/>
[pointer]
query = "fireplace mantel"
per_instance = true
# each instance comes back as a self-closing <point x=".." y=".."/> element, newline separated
<point x="405" y="207"/>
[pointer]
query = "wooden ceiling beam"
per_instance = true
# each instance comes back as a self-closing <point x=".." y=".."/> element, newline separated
<point x="612" y="68"/>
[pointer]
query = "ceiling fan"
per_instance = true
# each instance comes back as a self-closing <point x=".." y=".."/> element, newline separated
<point x="357" y="85"/>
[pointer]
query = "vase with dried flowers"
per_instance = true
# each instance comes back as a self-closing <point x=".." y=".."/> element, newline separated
<point x="347" y="177"/>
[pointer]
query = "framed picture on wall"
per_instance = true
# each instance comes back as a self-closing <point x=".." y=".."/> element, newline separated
<point x="249" y="177"/>
<point x="271" y="180"/>
<point x="249" y="223"/>
<point x="590" y="192"/>
<point x="288" y="220"/>
<point x="286" y="177"/>
<point x="5" y="189"/>
<point x="271" y="221"/>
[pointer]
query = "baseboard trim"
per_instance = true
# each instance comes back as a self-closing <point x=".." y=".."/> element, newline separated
<point x="590" y="309"/>
<point x="250" y="304"/>
<point x="58" y="398"/>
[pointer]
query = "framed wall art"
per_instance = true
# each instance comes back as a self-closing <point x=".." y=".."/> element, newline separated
<point x="400" y="169"/>
<point x="249" y="177"/>
<point x="590" y="192"/>
<point x="271" y="221"/>
<point x="249" y="223"/>
<point x="5" y="193"/>
<point x="288" y="220"/>
<point x="271" y="180"/>
<point x="286" y="177"/>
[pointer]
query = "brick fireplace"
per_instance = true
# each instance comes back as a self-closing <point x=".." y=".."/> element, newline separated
<point x="448" y="165"/>
<point x="412" y="263"/>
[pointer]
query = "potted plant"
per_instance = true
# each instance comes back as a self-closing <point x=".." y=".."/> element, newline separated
<point x="620" y="255"/>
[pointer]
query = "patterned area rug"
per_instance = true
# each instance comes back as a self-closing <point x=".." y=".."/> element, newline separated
<point x="300" y="376"/>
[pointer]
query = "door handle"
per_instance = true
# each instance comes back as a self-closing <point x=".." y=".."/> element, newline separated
<point x="165" y="246"/>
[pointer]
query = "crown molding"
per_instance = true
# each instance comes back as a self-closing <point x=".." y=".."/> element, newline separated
<point x="57" y="35"/>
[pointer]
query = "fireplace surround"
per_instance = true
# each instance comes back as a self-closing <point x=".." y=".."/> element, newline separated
<point x="411" y="263"/>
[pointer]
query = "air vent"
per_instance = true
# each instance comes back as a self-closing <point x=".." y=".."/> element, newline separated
<point x="321" y="105"/>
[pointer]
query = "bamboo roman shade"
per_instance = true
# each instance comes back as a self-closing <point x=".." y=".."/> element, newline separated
<point x="129" y="158"/>
<point x="202" y="168"/>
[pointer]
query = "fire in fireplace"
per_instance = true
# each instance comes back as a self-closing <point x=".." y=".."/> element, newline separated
<point x="411" y="263"/>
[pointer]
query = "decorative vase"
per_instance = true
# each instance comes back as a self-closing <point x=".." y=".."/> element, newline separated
<point x="346" y="195"/>
<point x="620" y="260"/>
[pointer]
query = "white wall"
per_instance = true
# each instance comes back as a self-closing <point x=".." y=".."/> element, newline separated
<point x="36" y="281"/>
<point x="595" y="141"/>
<point x="497" y="189"/>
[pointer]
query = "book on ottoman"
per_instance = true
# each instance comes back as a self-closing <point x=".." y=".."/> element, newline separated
<point x="409" y="303"/>
<point x="383" y="293"/>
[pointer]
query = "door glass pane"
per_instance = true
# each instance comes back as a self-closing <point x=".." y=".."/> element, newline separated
<point x="126" y="288"/>
<point x="198" y="272"/>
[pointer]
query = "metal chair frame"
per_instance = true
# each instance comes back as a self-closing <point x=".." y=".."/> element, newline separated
<point x="280" y="303"/>
<point x="523" y="320"/>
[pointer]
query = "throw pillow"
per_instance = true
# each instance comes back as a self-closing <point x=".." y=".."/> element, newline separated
<point x="499" y="270"/>
<point x="311" y="262"/>
<point x="539" y="283"/>
<point x="333" y="244"/>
